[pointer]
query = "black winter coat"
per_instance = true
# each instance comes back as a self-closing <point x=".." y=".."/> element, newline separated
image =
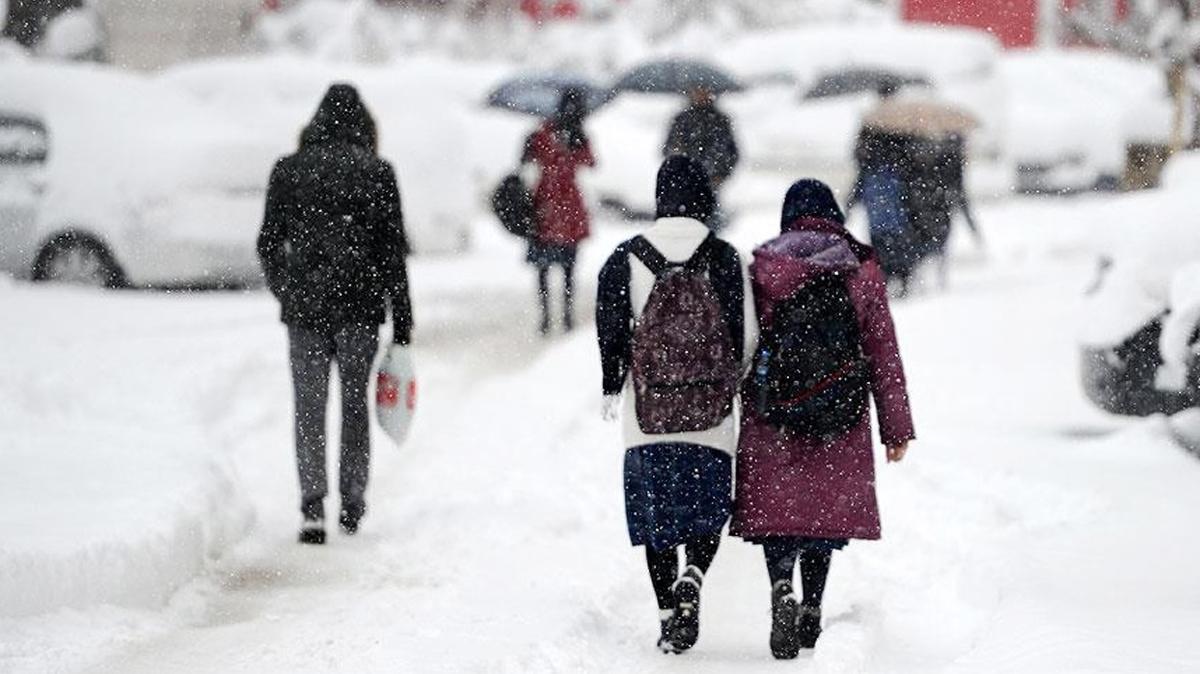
<point x="705" y="134"/>
<point x="332" y="243"/>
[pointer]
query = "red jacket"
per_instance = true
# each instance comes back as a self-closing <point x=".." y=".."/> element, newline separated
<point x="562" y="218"/>
<point x="792" y="485"/>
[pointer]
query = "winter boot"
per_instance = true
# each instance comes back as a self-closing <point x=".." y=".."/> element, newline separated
<point x="349" y="518"/>
<point x="685" y="628"/>
<point x="785" y="612"/>
<point x="665" y="618"/>
<point x="312" y="531"/>
<point x="808" y="628"/>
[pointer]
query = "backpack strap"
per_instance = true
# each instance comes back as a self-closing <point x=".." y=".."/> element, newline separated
<point x="643" y="250"/>
<point x="703" y="257"/>
<point x="654" y="260"/>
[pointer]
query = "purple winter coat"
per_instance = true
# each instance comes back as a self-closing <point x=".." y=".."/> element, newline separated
<point x="792" y="485"/>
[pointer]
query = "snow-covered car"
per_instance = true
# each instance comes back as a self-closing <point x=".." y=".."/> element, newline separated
<point x="1139" y="337"/>
<point x="161" y="180"/>
<point x="420" y="107"/>
<point x="780" y="129"/>
<point x="1073" y="113"/>
<point x="122" y="181"/>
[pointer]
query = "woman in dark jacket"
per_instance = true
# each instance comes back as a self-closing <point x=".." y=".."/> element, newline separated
<point x="802" y="497"/>
<point x="333" y="251"/>
<point x="884" y="186"/>
<point x="560" y="147"/>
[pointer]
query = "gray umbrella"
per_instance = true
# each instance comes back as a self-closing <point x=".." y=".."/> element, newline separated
<point x="538" y="94"/>
<point x="676" y="76"/>
<point x="860" y="80"/>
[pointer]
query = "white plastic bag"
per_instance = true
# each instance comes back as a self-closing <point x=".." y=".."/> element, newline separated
<point x="396" y="393"/>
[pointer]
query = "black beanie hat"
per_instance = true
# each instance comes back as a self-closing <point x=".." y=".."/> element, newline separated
<point x="683" y="190"/>
<point x="813" y="199"/>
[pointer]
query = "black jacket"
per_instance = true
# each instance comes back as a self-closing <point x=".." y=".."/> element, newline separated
<point x="705" y="134"/>
<point x="332" y="242"/>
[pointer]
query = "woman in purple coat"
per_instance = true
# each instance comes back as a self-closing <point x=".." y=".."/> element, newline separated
<point x="803" y="497"/>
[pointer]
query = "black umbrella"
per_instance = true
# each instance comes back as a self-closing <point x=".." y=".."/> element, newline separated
<point x="676" y="76"/>
<point x="539" y="94"/>
<point x="860" y="80"/>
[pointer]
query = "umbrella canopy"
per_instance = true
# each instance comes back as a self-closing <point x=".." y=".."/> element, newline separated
<point x="860" y="80"/>
<point x="538" y="94"/>
<point x="676" y="76"/>
<point x="920" y="118"/>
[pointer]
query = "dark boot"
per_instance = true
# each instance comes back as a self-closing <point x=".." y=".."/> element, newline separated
<point x="312" y="532"/>
<point x="685" y="628"/>
<point x="808" y="628"/>
<point x="312" y="529"/>
<point x="350" y="516"/>
<point x="785" y="613"/>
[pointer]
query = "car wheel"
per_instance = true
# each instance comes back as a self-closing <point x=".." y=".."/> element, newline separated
<point x="78" y="259"/>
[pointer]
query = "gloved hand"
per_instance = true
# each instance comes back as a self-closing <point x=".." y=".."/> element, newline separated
<point x="610" y="410"/>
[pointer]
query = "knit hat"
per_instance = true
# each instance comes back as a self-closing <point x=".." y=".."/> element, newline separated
<point x="683" y="190"/>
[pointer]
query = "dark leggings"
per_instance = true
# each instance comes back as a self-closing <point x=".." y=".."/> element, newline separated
<point x="782" y="554"/>
<point x="664" y="565"/>
<point x="568" y="294"/>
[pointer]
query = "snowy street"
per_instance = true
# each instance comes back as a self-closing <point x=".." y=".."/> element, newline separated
<point x="1027" y="531"/>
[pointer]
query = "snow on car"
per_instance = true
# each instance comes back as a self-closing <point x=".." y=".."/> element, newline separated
<point x="420" y="108"/>
<point x="1138" y="340"/>
<point x="134" y="184"/>
<point x="816" y="136"/>
<point x="1072" y="114"/>
<point x="161" y="181"/>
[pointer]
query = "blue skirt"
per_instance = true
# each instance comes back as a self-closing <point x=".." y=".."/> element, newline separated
<point x="676" y="491"/>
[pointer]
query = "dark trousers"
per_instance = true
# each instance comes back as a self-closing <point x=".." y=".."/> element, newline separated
<point x="312" y="353"/>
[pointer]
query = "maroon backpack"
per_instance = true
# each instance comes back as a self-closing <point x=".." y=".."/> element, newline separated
<point x="685" y="373"/>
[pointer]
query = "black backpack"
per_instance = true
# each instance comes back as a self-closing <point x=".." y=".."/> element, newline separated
<point x="513" y="205"/>
<point x="810" y="374"/>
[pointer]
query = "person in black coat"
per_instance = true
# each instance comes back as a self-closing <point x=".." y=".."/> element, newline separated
<point x="333" y="250"/>
<point x="702" y="132"/>
<point x="938" y="192"/>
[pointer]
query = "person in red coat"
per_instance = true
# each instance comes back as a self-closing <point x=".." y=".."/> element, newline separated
<point x="801" y="498"/>
<point x="559" y="148"/>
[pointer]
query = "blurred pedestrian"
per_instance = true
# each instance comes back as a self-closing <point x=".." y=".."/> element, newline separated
<point x="805" y="470"/>
<point x="938" y="192"/>
<point x="704" y="133"/>
<point x="883" y="187"/>
<point x="559" y="148"/>
<point x="333" y="251"/>
<point x="674" y="321"/>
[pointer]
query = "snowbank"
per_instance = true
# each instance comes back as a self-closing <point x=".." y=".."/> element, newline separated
<point x="119" y="492"/>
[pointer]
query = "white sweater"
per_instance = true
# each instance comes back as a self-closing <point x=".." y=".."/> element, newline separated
<point x="677" y="239"/>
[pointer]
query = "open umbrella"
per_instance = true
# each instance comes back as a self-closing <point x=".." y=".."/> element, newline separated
<point x="538" y="94"/>
<point x="859" y="80"/>
<point x="920" y="118"/>
<point x="676" y="76"/>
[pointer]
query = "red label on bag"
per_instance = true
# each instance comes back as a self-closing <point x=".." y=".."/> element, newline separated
<point x="387" y="391"/>
<point x="411" y="399"/>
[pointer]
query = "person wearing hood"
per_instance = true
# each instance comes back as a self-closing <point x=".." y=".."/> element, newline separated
<point x="333" y="251"/>
<point x="677" y="477"/>
<point x="559" y="148"/>
<point x="803" y="494"/>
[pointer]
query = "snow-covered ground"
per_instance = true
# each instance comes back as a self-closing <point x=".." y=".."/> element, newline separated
<point x="142" y="434"/>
